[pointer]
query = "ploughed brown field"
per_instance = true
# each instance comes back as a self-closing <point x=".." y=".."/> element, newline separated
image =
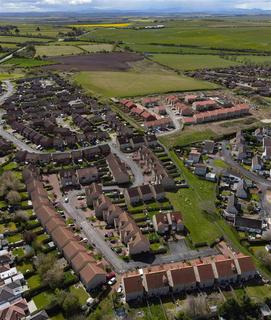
<point x="115" y="61"/>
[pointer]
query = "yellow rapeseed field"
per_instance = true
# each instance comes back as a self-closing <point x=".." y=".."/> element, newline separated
<point x="101" y="25"/>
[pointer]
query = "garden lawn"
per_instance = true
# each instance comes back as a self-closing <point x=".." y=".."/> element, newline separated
<point x="19" y="252"/>
<point x="80" y="292"/>
<point x="220" y="164"/>
<point x="43" y="300"/>
<point x="124" y="84"/>
<point x="192" y="61"/>
<point x="24" y="267"/>
<point x="14" y="238"/>
<point x="258" y="293"/>
<point x="53" y="51"/>
<point x="10" y="166"/>
<point x="34" y="281"/>
<point x="193" y="202"/>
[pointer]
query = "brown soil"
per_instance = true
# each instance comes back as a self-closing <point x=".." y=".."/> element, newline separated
<point x="115" y="61"/>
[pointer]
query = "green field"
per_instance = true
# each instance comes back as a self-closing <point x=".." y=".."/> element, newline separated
<point x="18" y="39"/>
<point x="187" y="137"/>
<point x="192" y="203"/>
<point x="25" y="62"/>
<point x="97" y="47"/>
<point x="43" y="300"/>
<point x="124" y="84"/>
<point x="7" y="76"/>
<point x="217" y="34"/>
<point x="192" y="62"/>
<point x="57" y="50"/>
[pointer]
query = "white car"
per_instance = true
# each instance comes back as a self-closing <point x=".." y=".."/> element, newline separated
<point x="66" y="200"/>
<point x="112" y="281"/>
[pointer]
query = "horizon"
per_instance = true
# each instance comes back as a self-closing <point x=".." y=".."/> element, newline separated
<point x="174" y="6"/>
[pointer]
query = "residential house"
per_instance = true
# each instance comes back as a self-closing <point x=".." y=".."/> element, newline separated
<point x="257" y="164"/>
<point x="158" y="192"/>
<point x="226" y="270"/>
<point x="101" y="204"/>
<point x="248" y="224"/>
<point x="132" y="196"/>
<point x="87" y="175"/>
<point x="69" y="179"/>
<point x="194" y="156"/>
<point x="182" y="278"/>
<point x="208" y="147"/>
<point x="205" y="274"/>
<point x="242" y="190"/>
<point x="156" y="283"/>
<point x="92" y="193"/>
<point x="200" y="170"/>
<point x="246" y="266"/>
<point x="233" y="207"/>
<point x="111" y="213"/>
<point x="146" y="193"/>
<point x="118" y="169"/>
<point x="92" y="276"/>
<point x="132" y="287"/>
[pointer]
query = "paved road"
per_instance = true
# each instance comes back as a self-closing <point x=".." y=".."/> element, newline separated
<point x="136" y="170"/>
<point x="9" y="90"/>
<point x="96" y="238"/>
<point x="11" y="55"/>
<point x="176" y="121"/>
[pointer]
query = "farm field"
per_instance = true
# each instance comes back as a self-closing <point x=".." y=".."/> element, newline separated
<point x="57" y="50"/>
<point x="7" y="76"/>
<point x="113" y="61"/>
<point x="97" y="47"/>
<point x="124" y="84"/>
<point x="25" y="63"/>
<point x="18" y="39"/>
<point x="101" y="25"/>
<point x="222" y="36"/>
<point x="192" y="62"/>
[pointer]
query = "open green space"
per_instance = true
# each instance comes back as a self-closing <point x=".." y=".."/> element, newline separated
<point x="187" y="137"/>
<point x="57" y="50"/>
<point x="192" y="61"/>
<point x="97" y="47"/>
<point x="25" y="62"/>
<point x="194" y="203"/>
<point x="124" y="84"/>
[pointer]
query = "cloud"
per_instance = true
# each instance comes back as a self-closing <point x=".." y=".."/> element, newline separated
<point x="180" y="5"/>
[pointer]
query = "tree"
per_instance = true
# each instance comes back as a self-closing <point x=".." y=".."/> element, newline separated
<point x="13" y="197"/>
<point x="29" y="236"/>
<point x="68" y="302"/>
<point x="38" y="28"/>
<point x="53" y="277"/>
<point x="17" y="31"/>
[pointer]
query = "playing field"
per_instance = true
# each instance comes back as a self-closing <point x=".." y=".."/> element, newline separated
<point x="191" y="62"/>
<point x="124" y="84"/>
<point x="57" y="50"/>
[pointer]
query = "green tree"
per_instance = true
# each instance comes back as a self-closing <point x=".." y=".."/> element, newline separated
<point x="13" y="197"/>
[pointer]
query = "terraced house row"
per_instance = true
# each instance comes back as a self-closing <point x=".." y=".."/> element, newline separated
<point x="84" y="265"/>
<point x="188" y="276"/>
<point x="113" y="215"/>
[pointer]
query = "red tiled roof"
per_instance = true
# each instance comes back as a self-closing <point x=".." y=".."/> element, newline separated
<point x="133" y="284"/>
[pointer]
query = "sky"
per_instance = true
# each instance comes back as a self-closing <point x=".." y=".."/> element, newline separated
<point x="139" y="5"/>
